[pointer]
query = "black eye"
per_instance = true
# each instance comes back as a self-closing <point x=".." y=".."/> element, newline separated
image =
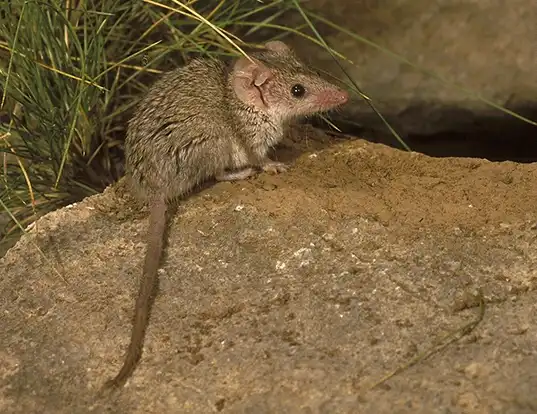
<point x="298" y="91"/>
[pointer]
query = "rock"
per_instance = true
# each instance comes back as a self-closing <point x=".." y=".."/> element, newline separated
<point x="298" y="302"/>
<point x="486" y="46"/>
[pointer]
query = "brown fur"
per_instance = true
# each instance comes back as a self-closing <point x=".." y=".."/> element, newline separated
<point x="202" y="122"/>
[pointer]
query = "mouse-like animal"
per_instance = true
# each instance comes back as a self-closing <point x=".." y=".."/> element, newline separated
<point x="210" y="120"/>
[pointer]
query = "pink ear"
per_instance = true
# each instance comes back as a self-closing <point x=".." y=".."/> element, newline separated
<point x="248" y="80"/>
<point x="277" y="46"/>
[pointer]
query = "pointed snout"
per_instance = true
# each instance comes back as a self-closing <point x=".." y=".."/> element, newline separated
<point x="333" y="98"/>
<point x="342" y="97"/>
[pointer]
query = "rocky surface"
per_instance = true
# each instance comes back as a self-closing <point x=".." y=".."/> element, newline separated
<point x="288" y="294"/>
<point x="485" y="46"/>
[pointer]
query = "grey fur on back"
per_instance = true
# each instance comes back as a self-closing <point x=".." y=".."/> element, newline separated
<point x="172" y="130"/>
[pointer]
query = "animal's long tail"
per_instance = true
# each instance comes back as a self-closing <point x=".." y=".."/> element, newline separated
<point x="157" y="228"/>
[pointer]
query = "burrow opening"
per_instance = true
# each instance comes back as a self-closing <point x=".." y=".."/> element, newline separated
<point x="492" y="137"/>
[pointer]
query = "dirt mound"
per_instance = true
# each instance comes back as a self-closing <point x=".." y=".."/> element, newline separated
<point x="288" y="294"/>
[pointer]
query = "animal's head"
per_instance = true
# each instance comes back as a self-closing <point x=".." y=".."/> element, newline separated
<point x="276" y="82"/>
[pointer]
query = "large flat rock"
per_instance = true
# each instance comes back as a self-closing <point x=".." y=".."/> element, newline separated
<point x="486" y="47"/>
<point x="288" y="294"/>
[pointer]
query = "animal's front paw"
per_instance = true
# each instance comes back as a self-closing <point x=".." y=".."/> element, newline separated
<point x="274" y="167"/>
